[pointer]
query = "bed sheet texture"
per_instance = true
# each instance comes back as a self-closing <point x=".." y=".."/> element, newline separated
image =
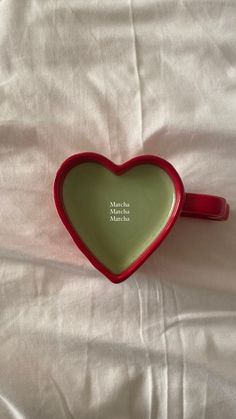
<point x="121" y="78"/>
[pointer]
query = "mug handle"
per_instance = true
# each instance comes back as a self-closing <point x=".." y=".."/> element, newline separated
<point x="209" y="207"/>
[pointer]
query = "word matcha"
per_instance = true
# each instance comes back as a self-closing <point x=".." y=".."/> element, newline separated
<point x="119" y="211"/>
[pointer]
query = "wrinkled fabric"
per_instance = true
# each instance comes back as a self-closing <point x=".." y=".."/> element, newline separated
<point x="120" y="78"/>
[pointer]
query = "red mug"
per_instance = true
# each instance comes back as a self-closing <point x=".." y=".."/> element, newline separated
<point x="118" y="215"/>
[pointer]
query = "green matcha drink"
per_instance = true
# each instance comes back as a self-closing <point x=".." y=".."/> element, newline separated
<point x="118" y="216"/>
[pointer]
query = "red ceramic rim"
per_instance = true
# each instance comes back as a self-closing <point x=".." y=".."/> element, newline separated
<point x="77" y="159"/>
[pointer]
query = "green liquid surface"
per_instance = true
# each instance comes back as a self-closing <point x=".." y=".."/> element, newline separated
<point x="118" y="216"/>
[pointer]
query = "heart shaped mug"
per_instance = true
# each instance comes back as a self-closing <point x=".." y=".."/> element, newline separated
<point x="119" y="214"/>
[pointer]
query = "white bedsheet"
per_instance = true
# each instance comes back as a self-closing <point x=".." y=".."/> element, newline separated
<point x="121" y="78"/>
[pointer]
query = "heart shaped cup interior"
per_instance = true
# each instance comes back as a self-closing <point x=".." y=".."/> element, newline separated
<point x="118" y="217"/>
